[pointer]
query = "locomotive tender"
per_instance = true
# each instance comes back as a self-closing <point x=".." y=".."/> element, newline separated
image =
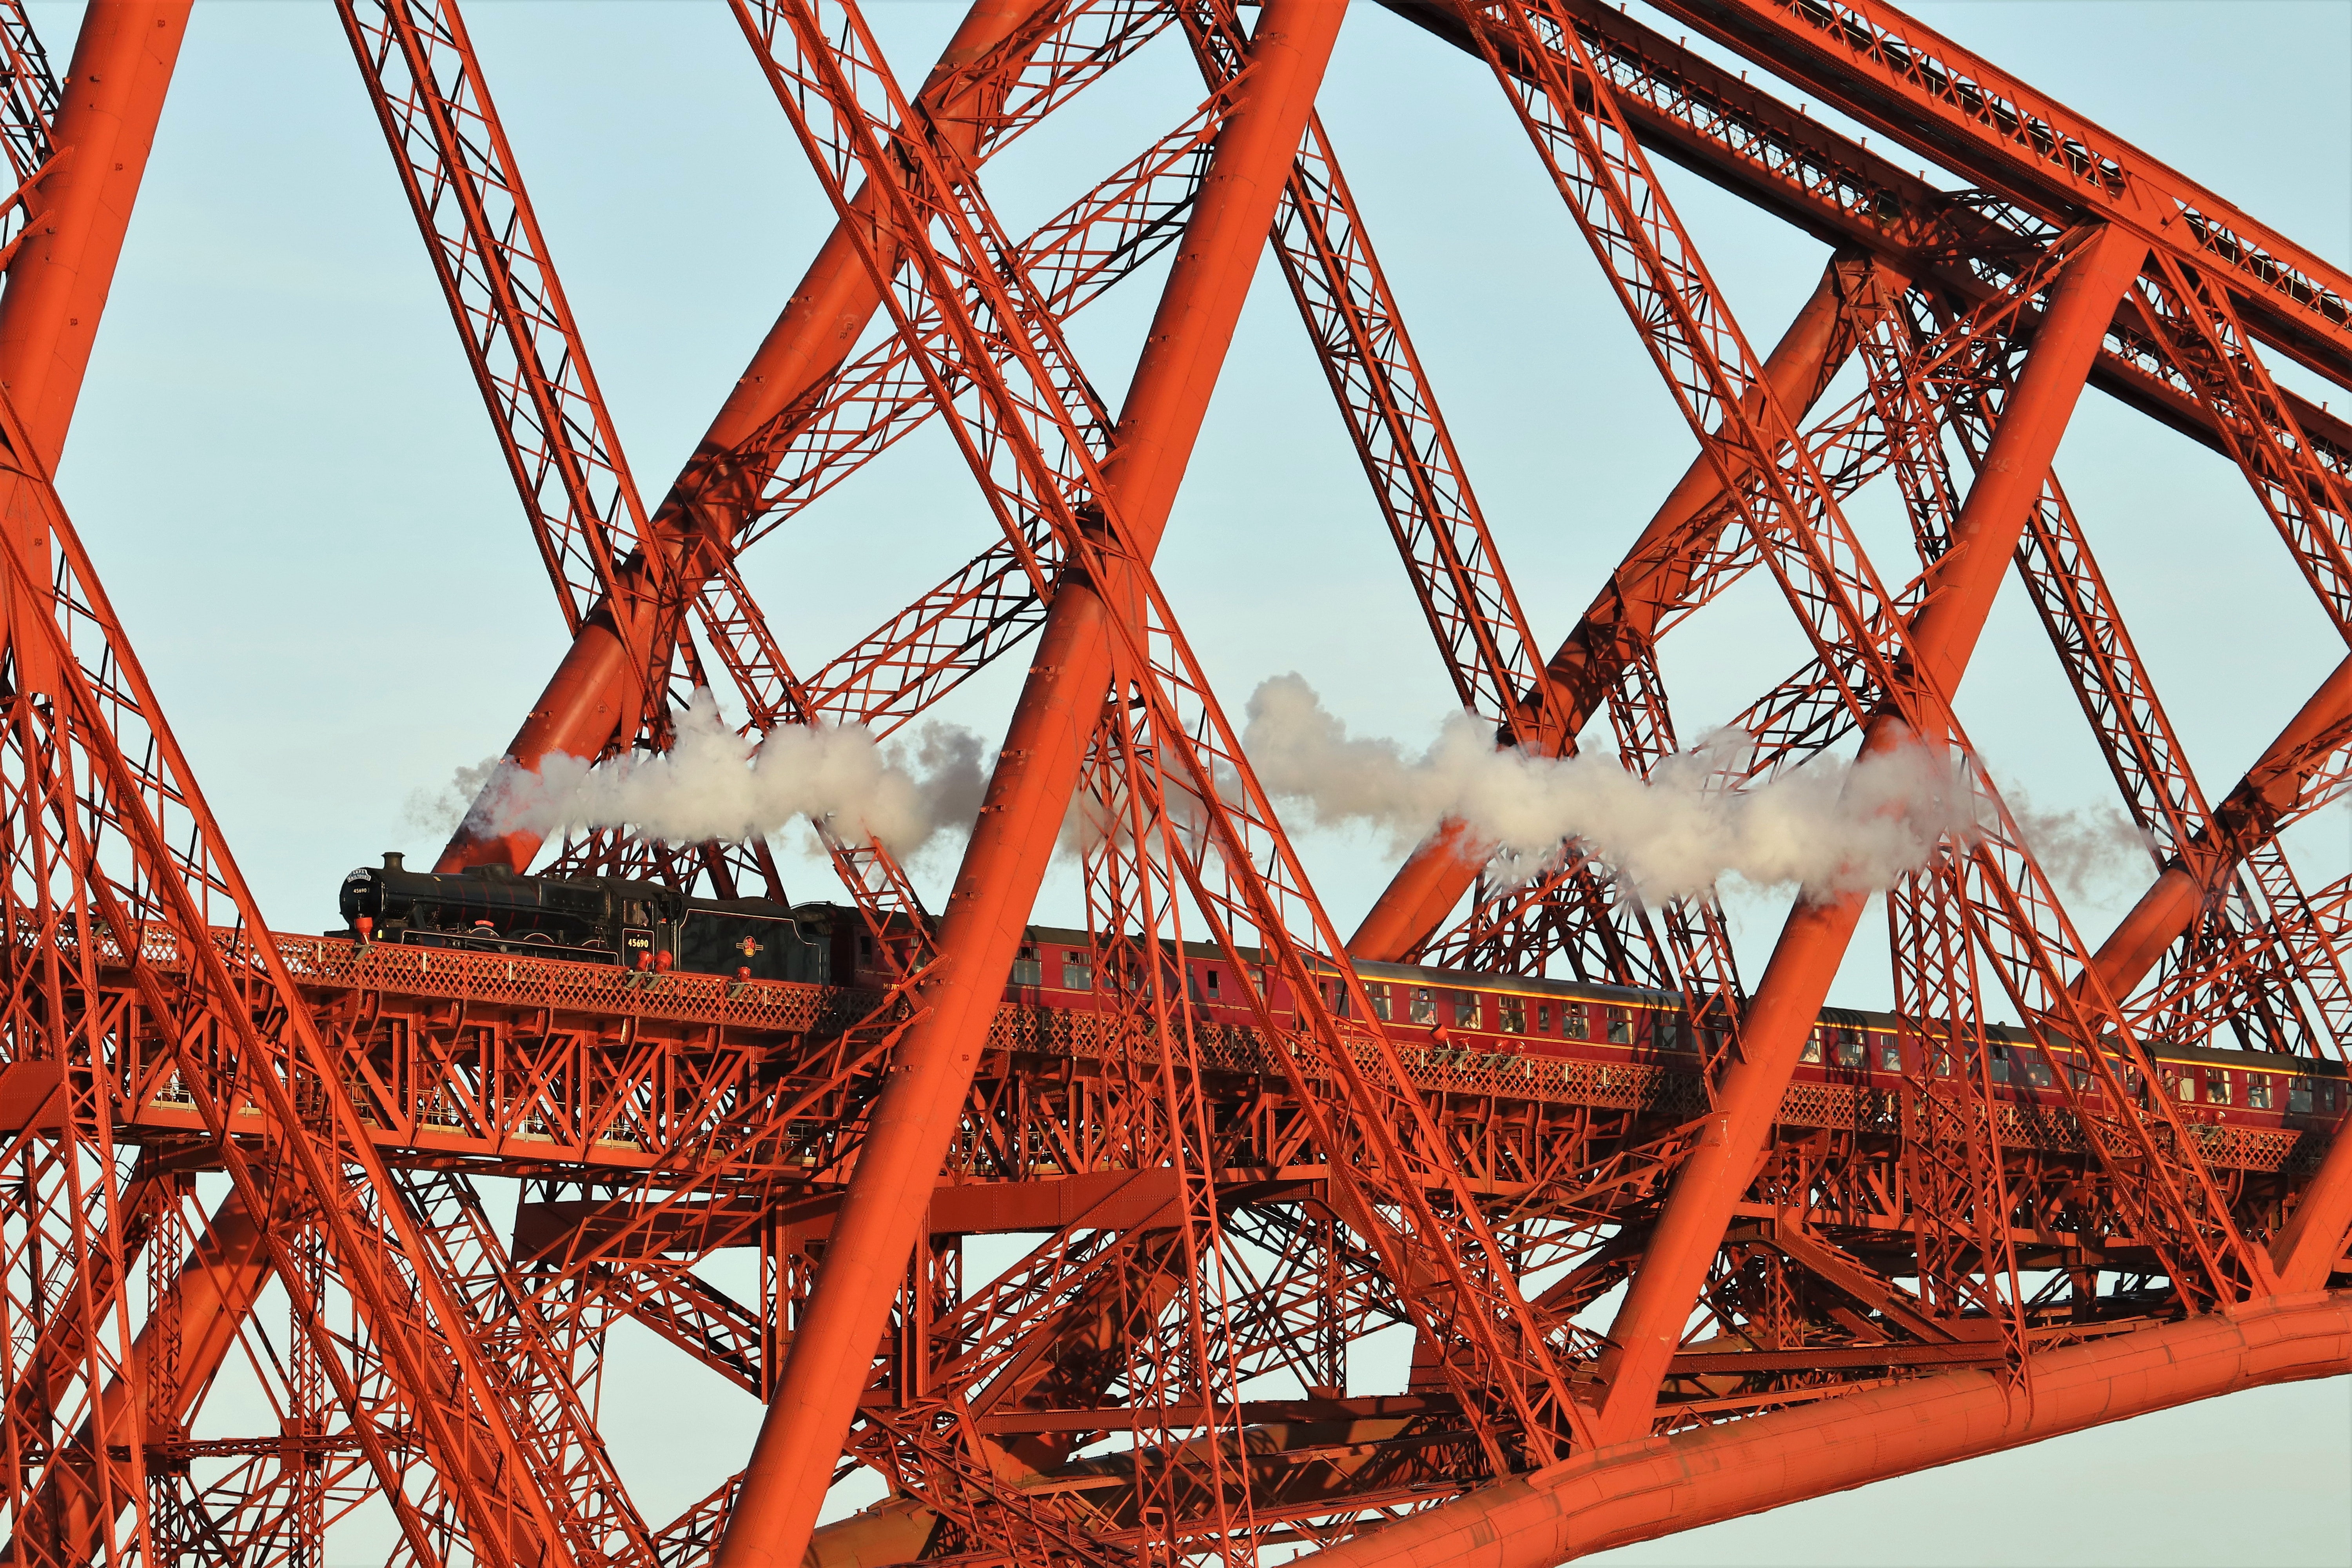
<point x="1434" y="1014"/>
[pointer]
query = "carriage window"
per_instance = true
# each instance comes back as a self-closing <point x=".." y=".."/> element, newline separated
<point x="1514" y="1016"/>
<point x="1665" y="1034"/>
<point x="1209" y="978"/>
<point x="2217" y="1086"/>
<point x="1466" y="1010"/>
<point x="1999" y="1064"/>
<point x="1850" y="1053"/>
<point x="1078" y="973"/>
<point x="1027" y="970"/>
<point x="1813" y="1046"/>
<point x="1943" y="1064"/>
<point x="2186" y="1086"/>
<point x="2258" y="1091"/>
<point x="2037" y="1073"/>
<point x="1620" y="1028"/>
<point x="1424" y="1005"/>
<point x="1380" y="995"/>
<point x="1890" y="1056"/>
<point x="2298" y="1096"/>
<point x="1543" y="1018"/>
<point x="1572" y="1021"/>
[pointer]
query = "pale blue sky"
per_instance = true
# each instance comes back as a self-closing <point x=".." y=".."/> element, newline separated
<point x="284" y="474"/>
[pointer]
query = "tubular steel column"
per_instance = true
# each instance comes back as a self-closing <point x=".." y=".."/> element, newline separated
<point x="592" y="692"/>
<point x="1622" y="619"/>
<point x="832" y="1351"/>
<point x="1641" y="1490"/>
<point x="1649" y="1325"/>
<point x="58" y="282"/>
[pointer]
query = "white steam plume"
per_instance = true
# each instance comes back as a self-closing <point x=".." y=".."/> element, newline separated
<point x="1830" y="825"/>
<point x="714" y="784"/>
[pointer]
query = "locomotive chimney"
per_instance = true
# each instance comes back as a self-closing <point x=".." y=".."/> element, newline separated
<point x="392" y="861"/>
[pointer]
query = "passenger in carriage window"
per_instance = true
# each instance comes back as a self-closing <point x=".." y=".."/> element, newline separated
<point x="1514" y="1010"/>
<point x="1848" y="1045"/>
<point x="1466" y="1010"/>
<point x="1572" y="1022"/>
<point x="1813" y="1046"/>
<point x="1890" y="1056"/>
<point x="2258" y="1091"/>
<point x="1424" y="1005"/>
<point x="1620" y="1028"/>
<point x="2037" y="1073"/>
<point x="2217" y="1087"/>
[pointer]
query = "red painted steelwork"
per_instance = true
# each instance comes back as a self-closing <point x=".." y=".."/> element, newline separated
<point x="592" y="692"/>
<point x="1038" y="767"/>
<point x="1620" y="626"/>
<point x="1650" y="1325"/>
<point x="1852" y="1243"/>
<point x="59" y="279"/>
<point x="1656" y="1485"/>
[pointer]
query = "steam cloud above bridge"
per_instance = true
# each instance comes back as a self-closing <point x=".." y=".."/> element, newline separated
<point x="1830" y="825"/>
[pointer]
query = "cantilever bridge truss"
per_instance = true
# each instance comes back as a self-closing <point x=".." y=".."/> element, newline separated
<point x="1818" y="1289"/>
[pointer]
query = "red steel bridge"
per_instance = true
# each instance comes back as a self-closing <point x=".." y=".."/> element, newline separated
<point x="1670" y="1244"/>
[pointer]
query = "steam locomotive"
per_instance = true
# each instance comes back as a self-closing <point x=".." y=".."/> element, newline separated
<point x="592" y="920"/>
<point x="1469" y="1021"/>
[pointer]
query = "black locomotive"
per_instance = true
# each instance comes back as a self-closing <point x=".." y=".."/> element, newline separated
<point x="592" y="920"/>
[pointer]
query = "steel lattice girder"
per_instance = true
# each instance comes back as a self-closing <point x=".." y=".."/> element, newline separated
<point x="1221" y="1198"/>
